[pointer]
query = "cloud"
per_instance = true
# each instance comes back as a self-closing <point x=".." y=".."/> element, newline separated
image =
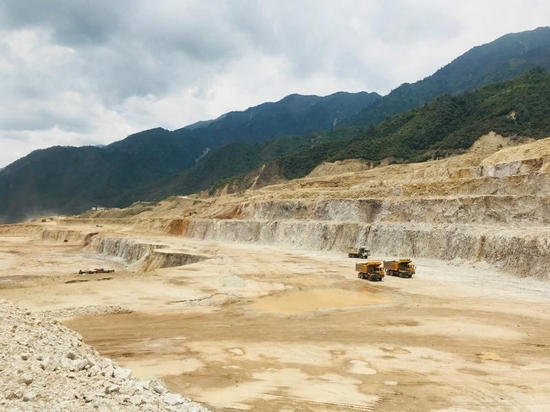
<point x="80" y="72"/>
<point x="73" y="23"/>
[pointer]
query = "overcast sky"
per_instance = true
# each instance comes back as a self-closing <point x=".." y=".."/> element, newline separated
<point x="78" y="72"/>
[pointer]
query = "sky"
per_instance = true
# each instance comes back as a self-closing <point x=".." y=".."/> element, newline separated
<point x="91" y="72"/>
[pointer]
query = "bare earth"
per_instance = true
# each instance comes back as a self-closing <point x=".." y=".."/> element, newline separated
<point x="268" y="325"/>
<point x="276" y="329"/>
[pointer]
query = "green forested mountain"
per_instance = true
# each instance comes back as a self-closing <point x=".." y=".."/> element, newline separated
<point x="26" y="190"/>
<point x="231" y="160"/>
<point x="498" y="61"/>
<point x="293" y="115"/>
<point x="503" y="59"/>
<point x="157" y="163"/>
<point x="448" y="124"/>
<point x="71" y="180"/>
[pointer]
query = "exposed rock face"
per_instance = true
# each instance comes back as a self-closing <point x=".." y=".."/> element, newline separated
<point x="511" y="210"/>
<point x="523" y="252"/>
<point x="266" y="174"/>
<point x="491" y="204"/>
<point x="45" y="366"/>
<point x="140" y="256"/>
<point x="340" y="166"/>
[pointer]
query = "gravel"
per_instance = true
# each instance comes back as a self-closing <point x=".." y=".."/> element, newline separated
<point x="44" y="366"/>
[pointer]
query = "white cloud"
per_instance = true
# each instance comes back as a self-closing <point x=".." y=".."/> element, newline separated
<point x="79" y="72"/>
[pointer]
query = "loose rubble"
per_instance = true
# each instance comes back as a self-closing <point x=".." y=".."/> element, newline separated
<point x="85" y="311"/>
<point x="45" y="366"/>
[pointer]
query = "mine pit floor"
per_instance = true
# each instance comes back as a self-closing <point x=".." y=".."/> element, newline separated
<point x="266" y="328"/>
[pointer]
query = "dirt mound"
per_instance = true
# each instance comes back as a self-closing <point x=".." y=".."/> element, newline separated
<point x="492" y="142"/>
<point x="340" y="167"/>
<point x="539" y="149"/>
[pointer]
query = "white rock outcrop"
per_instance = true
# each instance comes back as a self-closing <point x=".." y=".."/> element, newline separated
<point x="44" y="366"/>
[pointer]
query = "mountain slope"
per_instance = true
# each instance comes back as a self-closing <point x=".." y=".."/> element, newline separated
<point x="72" y="179"/>
<point x="58" y="179"/>
<point x="69" y="180"/>
<point x="150" y="155"/>
<point x="500" y="60"/>
<point x="153" y="162"/>
<point x="449" y="124"/>
<point x="293" y="115"/>
<point x="228" y="161"/>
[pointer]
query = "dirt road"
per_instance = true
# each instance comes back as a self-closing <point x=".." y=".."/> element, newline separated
<point x="274" y="329"/>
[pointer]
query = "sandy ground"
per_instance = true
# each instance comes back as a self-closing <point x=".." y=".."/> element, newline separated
<point x="273" y="329"/>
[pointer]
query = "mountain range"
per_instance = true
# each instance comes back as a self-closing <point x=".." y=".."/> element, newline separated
<point x="433" y="116"/>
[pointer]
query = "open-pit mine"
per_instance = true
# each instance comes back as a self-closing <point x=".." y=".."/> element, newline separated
<point x="248" y="301"/>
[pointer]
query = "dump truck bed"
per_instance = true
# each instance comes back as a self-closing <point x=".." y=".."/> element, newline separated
<point x="391" y="265"/>
<point x="362" y="267"/>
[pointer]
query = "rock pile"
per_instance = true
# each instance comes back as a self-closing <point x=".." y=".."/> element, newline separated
<point x="45" y="366"/>
<point x="99" y="310"/>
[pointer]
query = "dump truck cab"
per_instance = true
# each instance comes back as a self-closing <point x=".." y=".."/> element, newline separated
<point x="371" y="270"/>
<point x="360" y="252"/>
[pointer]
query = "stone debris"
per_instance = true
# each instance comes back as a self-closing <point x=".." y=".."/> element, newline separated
<point x="85" y="311"/>
<point x="233" y="282"/>
<point x="45" y="366"/>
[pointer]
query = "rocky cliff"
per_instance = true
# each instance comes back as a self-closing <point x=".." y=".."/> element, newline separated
<point x="489" y="205"/>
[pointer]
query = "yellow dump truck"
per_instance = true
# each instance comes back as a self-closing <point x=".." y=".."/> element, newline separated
<point x="361" y="252"/>
<point x="371" y="270"/>
<point x="402" y="268"/>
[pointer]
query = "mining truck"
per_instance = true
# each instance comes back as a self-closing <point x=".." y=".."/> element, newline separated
<point x="360" y="253"/>
<point x="401" y="268"/>
<point x="371" y="270"/>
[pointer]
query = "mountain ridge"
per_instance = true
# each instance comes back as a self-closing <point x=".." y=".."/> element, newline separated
<point x="510" y="56"/>
<point x="140" y="159"/>
<point x="144" y="162"/>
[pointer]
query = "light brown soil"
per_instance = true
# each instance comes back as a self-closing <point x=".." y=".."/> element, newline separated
<point x="274" y="329"/>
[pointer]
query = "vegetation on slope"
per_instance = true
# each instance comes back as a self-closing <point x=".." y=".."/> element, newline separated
<point x="293" y="115"/>
<point x="70" y="180"/>
<point x="229" y="161"/>
<point x="160" y="163"/>
<point x="503" y="59"/>
<point x="446" y="125"/>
